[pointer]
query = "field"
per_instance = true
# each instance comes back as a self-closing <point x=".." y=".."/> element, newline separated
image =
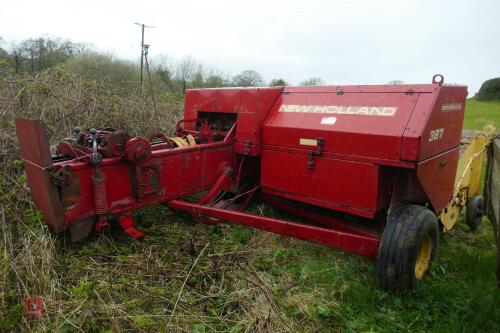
<point x="190" y="277"/>
<point x="479" y="114"/>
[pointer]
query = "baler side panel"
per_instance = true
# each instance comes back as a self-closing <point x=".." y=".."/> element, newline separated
<point x="437" y="177"/>
<point x="345" y="132"/>
<point x="411" y="141"/>
<point x="332" y="183"/>
<point x="436" y="124"/>
<point x="249" y="122"/>
<point x="443" y="129"/>
<point x="218" y="101"/>
<point x="251" y="104"/>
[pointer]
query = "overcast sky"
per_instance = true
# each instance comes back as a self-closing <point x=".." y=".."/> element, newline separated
<point x="341" y="41"/>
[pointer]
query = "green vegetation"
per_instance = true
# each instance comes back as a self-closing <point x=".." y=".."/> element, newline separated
<point x="314" y="81"/>
<point x="243" y="280"/>
<point x="479" y="114"/>
<point x="251" y="280"/>
<point x="167" y="74"/>
<point x="96" y="66"/>
<point x="278" y="83"/>
<point x="490" y="90"/>
<point x="192" y="277"/>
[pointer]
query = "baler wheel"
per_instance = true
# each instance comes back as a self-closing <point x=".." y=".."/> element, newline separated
<point x="407" y="248"/>
<point x="474" y="212"/>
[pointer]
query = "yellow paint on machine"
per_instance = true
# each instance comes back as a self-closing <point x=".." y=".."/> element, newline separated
<point x="308" y="142"/>
<point x="468" y="176"/>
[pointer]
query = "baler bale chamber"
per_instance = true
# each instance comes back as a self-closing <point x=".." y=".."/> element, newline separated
<point x="367" y="169"/>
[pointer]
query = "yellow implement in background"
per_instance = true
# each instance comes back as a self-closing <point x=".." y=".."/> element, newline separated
<point x="468" y="178"/>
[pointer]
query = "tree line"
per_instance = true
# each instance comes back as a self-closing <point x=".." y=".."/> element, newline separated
<point x="167" y="74"/>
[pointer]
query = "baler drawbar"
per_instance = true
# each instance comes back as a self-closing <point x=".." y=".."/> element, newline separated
<point x="372" y="170"/>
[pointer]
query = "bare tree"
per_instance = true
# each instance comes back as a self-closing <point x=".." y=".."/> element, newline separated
<point x="33" y="55"/>
<point x="248" y="78"/>
<point x="314" y="81"/>
<point x="216" y="78"/>
<point x="278" y="83"/>
<point x="185" y="71"/>
<point x="164" y="68"/>
<point x="198" y="78"/>
<point x="3" y="53"/>
<point x="16" y="52"/>
<point x="4" y="58"/>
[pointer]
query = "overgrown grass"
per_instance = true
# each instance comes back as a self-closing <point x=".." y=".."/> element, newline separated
<point x="191" y="277"/>
<point x="479" y="114"/>
<point x="246" y="280"/>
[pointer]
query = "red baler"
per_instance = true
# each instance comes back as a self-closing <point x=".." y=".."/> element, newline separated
<point x="367" y="168"/>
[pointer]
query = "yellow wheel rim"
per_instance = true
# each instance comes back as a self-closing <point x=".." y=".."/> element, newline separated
<point x="423" y="257"/>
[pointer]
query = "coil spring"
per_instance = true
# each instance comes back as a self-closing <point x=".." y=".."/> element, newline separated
<point x="101" y="202"/>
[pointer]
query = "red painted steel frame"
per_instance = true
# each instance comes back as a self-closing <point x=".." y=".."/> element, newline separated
<point x="322" y="217"/>
<point x="351" y="242"/>
<point x="35" y="151"/>
<point x="168" y="174"/>
<point x="341" y="161"/>
<point x="182" y="171"/>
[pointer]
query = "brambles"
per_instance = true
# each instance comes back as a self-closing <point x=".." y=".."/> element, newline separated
<point x="244" y="280"/>
<point x="111" y="281"/>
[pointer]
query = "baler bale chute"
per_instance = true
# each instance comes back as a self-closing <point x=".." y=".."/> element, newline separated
<point x="370" y="170"/>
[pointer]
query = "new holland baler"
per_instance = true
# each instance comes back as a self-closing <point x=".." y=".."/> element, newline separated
<point x="367" y="169"/>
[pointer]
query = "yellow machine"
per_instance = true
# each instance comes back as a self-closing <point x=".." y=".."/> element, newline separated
<point x="468" y="182"/>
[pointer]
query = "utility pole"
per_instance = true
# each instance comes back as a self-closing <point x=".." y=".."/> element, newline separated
<point x="142" y="25"/>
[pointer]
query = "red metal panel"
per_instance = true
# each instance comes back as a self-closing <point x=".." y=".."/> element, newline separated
<point x="344" y="123"/>
<point x="399" y="88"/>
<point x="321" y="203"/>
<point x="443" y="129"/>
<point x="251" y="104"/>
<point x="321" y="216"/>
<point x="249" y="124"/>
<point x="354" y="158"/>
<point x="436" y="124"/>
<point x="350" y="242"/>
<point x="37" y="164"/>
<point x="344" y="183"/>
<point x="225" y="100"/>
<point x="437" y="177"/>
<point x="182" y="171"/>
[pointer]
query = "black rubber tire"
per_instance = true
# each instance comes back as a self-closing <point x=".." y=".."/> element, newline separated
<point x="401" y="240"/>
<point x="474" y="212"/>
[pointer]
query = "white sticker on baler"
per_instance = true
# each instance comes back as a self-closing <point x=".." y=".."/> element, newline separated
<point x="451" y="107"/>
<point x="328" y="121"/>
